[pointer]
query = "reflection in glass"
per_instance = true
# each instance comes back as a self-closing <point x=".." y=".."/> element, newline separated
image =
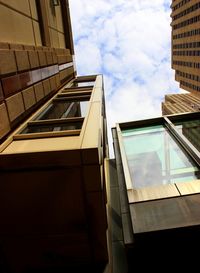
<point x="64" y="109"/>
<point x="191" y="130"/>
<point x="52" y="127"/>
<point x="155" y="158"/>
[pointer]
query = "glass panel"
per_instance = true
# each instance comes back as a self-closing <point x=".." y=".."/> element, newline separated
<point x="82" y="84"/>
<point x="64" y="109"/>
<point x="191" y="130"/>
<point x="155" y="158"/>
<point x="52" y="127"/>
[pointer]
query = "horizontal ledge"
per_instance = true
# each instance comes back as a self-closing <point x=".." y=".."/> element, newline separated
<point x="72" y="98"/>
<point x="75" y="93"/>
<point x="47" y="134"/>
<point x="55" y="121"/>
<point x="80" y="88"/>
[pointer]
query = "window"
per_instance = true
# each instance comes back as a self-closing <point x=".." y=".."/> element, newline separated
<point x="62" y="126"/>
<point x="64" y="115"/>
<point x="83" y="83"/>
<point x="155" y="158"/>
<point x="191" y="130"/>
<point x="160" y="157"/>
<point x="64" y="109"/>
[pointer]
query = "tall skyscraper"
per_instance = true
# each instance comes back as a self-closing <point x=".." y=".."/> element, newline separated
<point x="186" y="43"/>
<point x="185" y="56"/>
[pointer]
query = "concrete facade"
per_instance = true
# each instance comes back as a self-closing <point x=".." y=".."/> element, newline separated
<point x="186" y="43"/>
<point x="180" y="103"/>
<point x="185" y="56"/>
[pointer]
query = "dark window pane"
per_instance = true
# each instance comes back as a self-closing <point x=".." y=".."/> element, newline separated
<point x="191" y="130"/>
<point x="52" y="127"/>
<point x="64" y="109"/>
<point x="82" y="84"/>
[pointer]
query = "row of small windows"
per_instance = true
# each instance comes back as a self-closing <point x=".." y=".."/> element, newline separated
<point x="187" y="34"/>
<point x="183" y="2"/>
<point x="186" y="11"/>
<point x="187" y="53"/>
<point x="188" y="64"/>
<point x="187" y="45"/>
<point x="65" y="113"/>
<point x="188" y="76"/>
<point x="190" y="85"/>
<point x="187" y="22"/>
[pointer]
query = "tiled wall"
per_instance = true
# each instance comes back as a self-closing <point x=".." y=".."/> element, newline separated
<point x="55" y="24"/>
<point x="19" y="22"/>
<point x="29" y="75"/>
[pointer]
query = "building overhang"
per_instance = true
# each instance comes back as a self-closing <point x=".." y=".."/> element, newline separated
<point x="158" y="216"/>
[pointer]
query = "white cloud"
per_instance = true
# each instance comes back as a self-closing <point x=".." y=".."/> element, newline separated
<point x="89" y="56"/>
<point x="129" y="43"/>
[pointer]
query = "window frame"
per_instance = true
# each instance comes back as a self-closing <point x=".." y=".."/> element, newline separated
<point x="181" y="140"/>
<point x="67" y="94"/>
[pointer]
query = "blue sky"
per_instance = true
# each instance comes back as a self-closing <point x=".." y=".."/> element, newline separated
<point x="129" y="42"/>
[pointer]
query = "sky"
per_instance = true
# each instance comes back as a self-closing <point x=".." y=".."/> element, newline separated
<point x="129" y="42"/>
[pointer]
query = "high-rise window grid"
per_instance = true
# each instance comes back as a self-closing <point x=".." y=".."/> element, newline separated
<point x="188" y="76"/>
<point x="180" y="4"/>
<point x="186" y="11"/>
<point x="190" y="85"/>
<point x="187" y="53"/>
<point x="190" y="33"/>
<point x="188" y="64"/>
<point x="187" y="22"/>
<point x="187" y="45"/>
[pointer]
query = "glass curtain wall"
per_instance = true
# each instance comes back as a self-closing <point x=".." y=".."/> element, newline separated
<point x="155" y="157"/>
<point x="191" y="130"/>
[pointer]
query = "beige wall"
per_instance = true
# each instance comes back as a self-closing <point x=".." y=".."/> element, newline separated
<point x="32" y="57"/>
<point x="180" y="103"/>
<point x="19" y="22"/>
<point x="55" y="25"/>
<point x="187" y="83"/>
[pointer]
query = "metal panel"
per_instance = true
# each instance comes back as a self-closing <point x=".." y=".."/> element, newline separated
<point x="189" y="187"/>
<point x="165" y="214"/>
<point x="124" y="159"/>
<point x="45" y="144"/>
<point x="151" y="193"/>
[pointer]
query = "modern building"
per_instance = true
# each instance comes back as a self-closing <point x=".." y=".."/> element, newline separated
<point x="53" y="141"/>
<point x="180" y="103"/>
<point x="185" y="56"/>
<point x="53" y="196"/>
<point x="186" y="43"/>
<point x="156" y="196"/>
<point x="64" y="206"/>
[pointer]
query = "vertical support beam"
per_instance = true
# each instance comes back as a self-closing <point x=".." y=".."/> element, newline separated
<point x="67" y="25"/>
<point x="43" y="23"/>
